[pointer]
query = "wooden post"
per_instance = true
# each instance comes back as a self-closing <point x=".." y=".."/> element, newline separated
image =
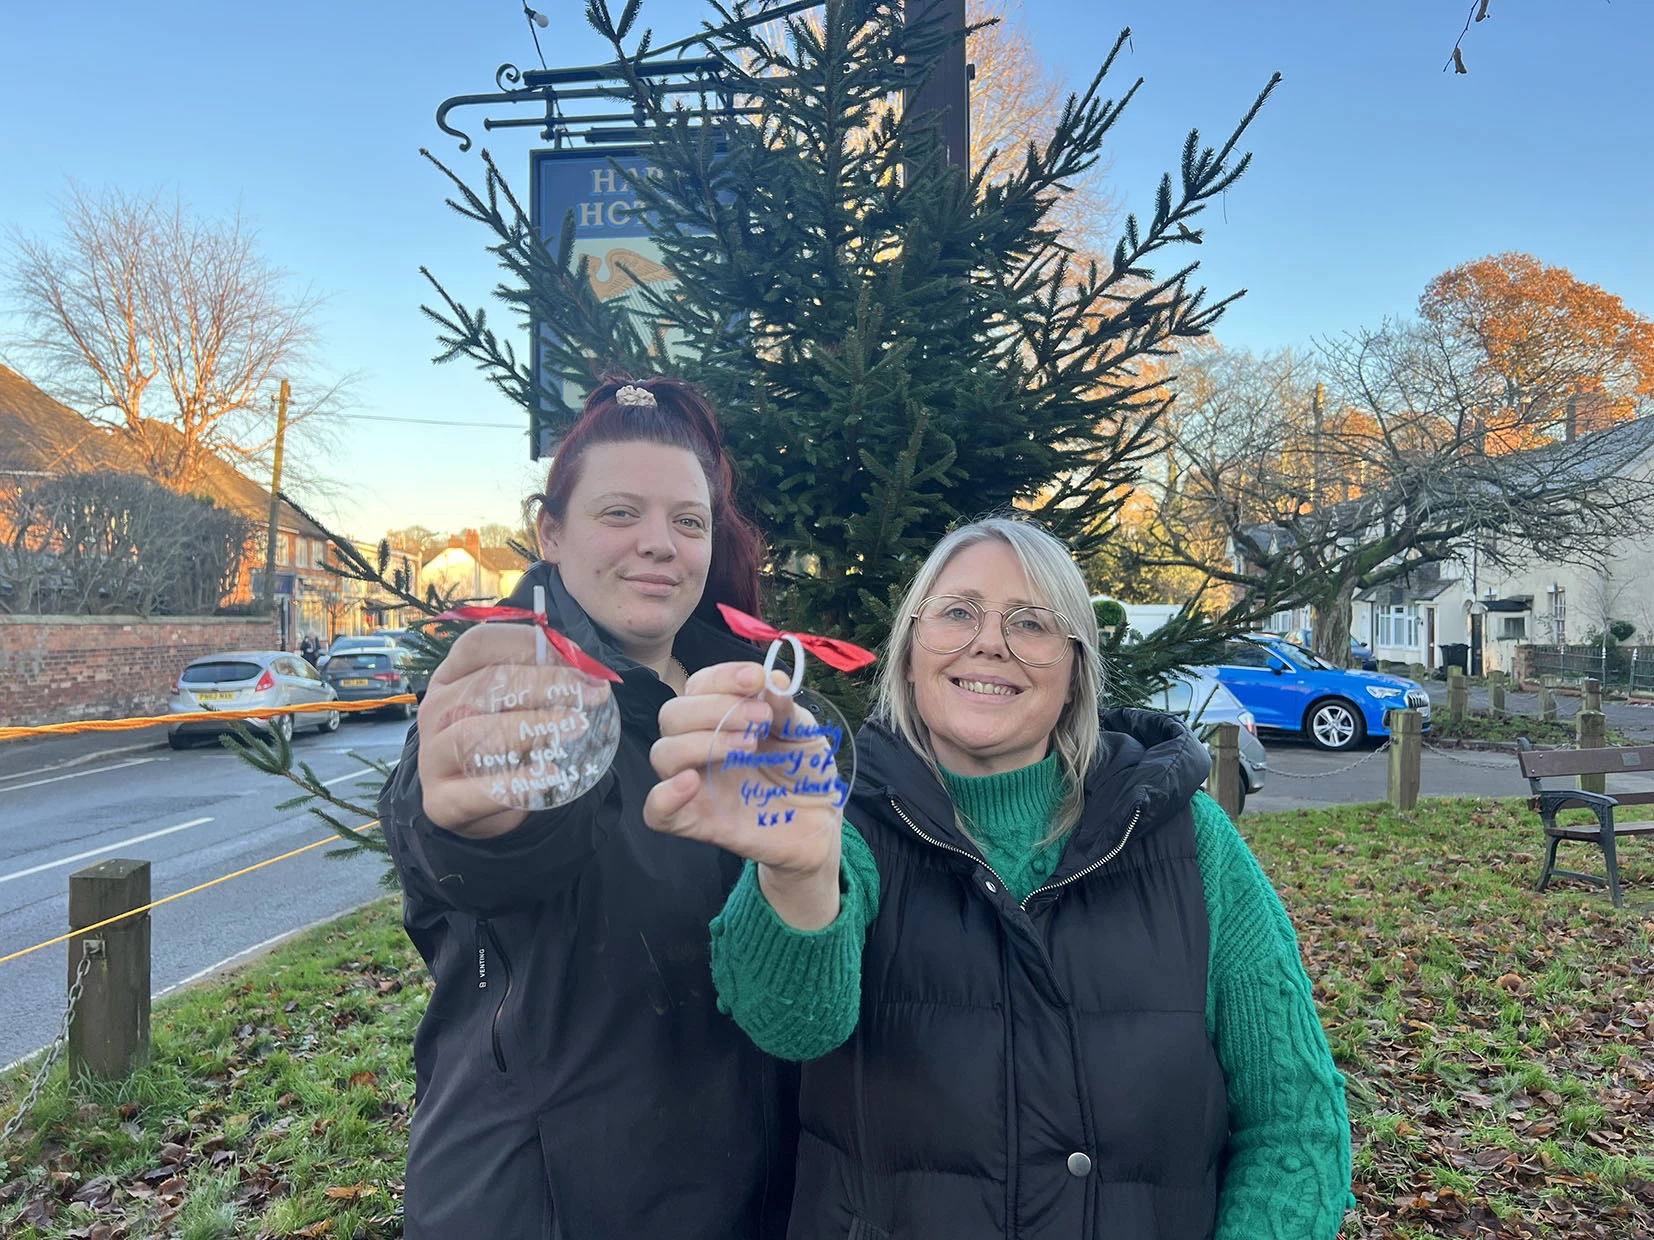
<point x="1547" y="700"/>
<point x="1591" y="729"/>
<point x="1406" y="748"/>
<point x="1591" y="698"/>
<point x="1418" y="672"/>
<point x="1496" y="694"/>
<point x="1457" y="694"/>
<point x="109" y="1036"/>
<point x="1223" y="783"/>
<point x="948" y="91"/>
<point x="275" y="498"/>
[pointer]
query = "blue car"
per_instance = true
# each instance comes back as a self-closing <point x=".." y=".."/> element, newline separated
<point x="1288" y="689"/>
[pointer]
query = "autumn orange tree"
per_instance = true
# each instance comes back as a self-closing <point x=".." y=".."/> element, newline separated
<point x="1554" y="355"/>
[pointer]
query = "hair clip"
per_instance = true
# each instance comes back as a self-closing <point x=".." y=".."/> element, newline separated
<point x="638" y="397"/>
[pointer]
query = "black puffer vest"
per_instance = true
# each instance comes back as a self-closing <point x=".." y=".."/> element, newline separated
<point x="1038" y="1071"/>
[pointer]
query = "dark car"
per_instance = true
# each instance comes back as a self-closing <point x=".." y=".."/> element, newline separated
<point x="360" y="675"/>
<point x="366" y="641"/>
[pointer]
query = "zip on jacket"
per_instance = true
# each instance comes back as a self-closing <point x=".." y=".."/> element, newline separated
<point x="486" y="938"/>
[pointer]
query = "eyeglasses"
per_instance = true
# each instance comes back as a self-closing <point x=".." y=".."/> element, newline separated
<point x="1035" y="636"/>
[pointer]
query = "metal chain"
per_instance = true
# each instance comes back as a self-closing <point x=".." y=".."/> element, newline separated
<point x="57" y="1046"/>
<point x="1486" y="766"/>
<point x="1326" y="774"/>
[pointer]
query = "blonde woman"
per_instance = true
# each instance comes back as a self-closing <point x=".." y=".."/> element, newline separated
<point x="1041" y="987"/>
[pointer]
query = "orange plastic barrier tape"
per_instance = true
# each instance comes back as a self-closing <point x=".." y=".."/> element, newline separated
<point x="127" y="725"/>
<point x="179" y="895"/>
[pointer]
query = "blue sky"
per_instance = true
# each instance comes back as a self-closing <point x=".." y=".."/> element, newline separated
<point x="1373" y="169"/>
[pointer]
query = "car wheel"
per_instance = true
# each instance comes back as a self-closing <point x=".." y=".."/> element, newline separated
<point x="180" y="742"/>
<point x="329" y="723"/>
<point x="1335" y="724"/>
<point x="282" y="726"/>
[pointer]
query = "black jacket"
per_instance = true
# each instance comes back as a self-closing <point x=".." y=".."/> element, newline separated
<point x="574" y="1076"/>
<point x="1039" y="1072"/>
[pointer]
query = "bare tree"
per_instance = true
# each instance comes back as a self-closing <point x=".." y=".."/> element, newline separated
<point x="96" y="543"/>
<point x="168" y="326"/>
<point x="1014" y="100"/>
<point x="1304" y="494"/>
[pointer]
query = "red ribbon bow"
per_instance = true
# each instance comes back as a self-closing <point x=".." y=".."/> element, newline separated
<point x="577" y="658"/>
<point x="845" y="656"/>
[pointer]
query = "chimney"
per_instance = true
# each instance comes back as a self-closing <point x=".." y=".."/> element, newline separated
<point x="473" y="548"/>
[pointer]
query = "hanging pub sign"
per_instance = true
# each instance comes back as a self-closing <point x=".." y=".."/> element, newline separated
<point x="609" y="232"/>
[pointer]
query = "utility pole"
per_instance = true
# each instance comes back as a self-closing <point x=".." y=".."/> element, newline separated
<point x="275" y="501"/>
<point x="1318" y="411"/>
<point x="947" y="90"/>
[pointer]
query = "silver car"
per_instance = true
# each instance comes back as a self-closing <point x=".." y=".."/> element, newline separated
<point x="249" y="680"/>
<point x="1200" y="699"/>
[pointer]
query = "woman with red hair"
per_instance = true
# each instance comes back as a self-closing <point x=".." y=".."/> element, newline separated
<point x="575" y="1078"/>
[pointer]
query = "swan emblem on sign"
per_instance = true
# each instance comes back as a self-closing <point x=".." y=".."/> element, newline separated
<point x="627" y="269"/>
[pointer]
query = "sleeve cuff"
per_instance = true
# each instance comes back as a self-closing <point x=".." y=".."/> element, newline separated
<point x="796" y="993"/>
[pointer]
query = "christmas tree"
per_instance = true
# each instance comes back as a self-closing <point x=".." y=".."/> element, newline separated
<point x="895" y="345"/>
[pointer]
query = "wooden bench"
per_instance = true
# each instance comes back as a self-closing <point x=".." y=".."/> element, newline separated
<point x="1541" y="764"/>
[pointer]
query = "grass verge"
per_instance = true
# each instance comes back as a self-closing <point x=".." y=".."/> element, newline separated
<point x="275" y="1104"/>
<point x="1480" y="726"/>
<point x="1495" y="1041"/>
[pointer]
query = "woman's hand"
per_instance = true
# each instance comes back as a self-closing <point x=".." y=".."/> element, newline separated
<point x="485" y="709"/>
<point x="701" y="795"/>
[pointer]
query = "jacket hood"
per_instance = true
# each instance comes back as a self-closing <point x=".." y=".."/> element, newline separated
<point x="1146" y="761"/>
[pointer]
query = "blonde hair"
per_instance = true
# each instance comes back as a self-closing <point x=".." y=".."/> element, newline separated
<point x="1056" y="583"/>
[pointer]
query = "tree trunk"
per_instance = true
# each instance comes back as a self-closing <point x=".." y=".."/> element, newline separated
<point x="1330" y="626"/>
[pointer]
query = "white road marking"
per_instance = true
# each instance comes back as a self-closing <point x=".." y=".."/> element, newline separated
<point x="72" y="775"/>
<point x="93" y="852"/>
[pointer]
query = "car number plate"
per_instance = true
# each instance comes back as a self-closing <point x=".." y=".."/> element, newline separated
<point x="214" y="697"/>
<point x="354" y="682"/>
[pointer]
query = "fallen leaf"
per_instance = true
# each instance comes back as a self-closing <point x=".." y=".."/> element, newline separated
<point x="352" y="1192"/>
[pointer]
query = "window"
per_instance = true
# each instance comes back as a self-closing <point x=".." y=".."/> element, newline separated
<point x="284" y="549"/>
<point x="1178" y="696"/>
<point x="301" y="553"/>
<point x="1513" y="628"/>
<point x="1245" y="654"/>
<point x="1398" y="627"/>
<point x="318" y="553"/>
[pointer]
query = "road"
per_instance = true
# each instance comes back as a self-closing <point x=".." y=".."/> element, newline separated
<point x="195" y="815"/>
<point x="1301" y="775"/>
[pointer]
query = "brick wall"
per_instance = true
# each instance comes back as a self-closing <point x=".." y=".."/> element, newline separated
<point x="54" y="669"/>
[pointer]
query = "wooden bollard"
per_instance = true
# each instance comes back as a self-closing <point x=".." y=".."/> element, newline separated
<point x="1406" y="749"/>
<point x="1223" y="782"/>
<point x="1418" y="671"/>
<point x="1547" y="700"/>
<point x="1591" y="696"/>
<point x="1591" y="731"/>
<point x="109" y="1036"/>
<point x="1458" y="694"/>
<point x="1496" y="694"/>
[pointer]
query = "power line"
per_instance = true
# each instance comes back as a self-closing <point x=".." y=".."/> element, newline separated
<point x="481" y="426"/>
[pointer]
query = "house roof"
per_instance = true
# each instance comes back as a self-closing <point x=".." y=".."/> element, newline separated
<point x="39" y="435"/>
<point x="503" y="560"/>
<point x="1397" y="593"/>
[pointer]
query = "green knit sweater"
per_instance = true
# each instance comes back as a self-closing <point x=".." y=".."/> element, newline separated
<point x="797" y="994"/>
